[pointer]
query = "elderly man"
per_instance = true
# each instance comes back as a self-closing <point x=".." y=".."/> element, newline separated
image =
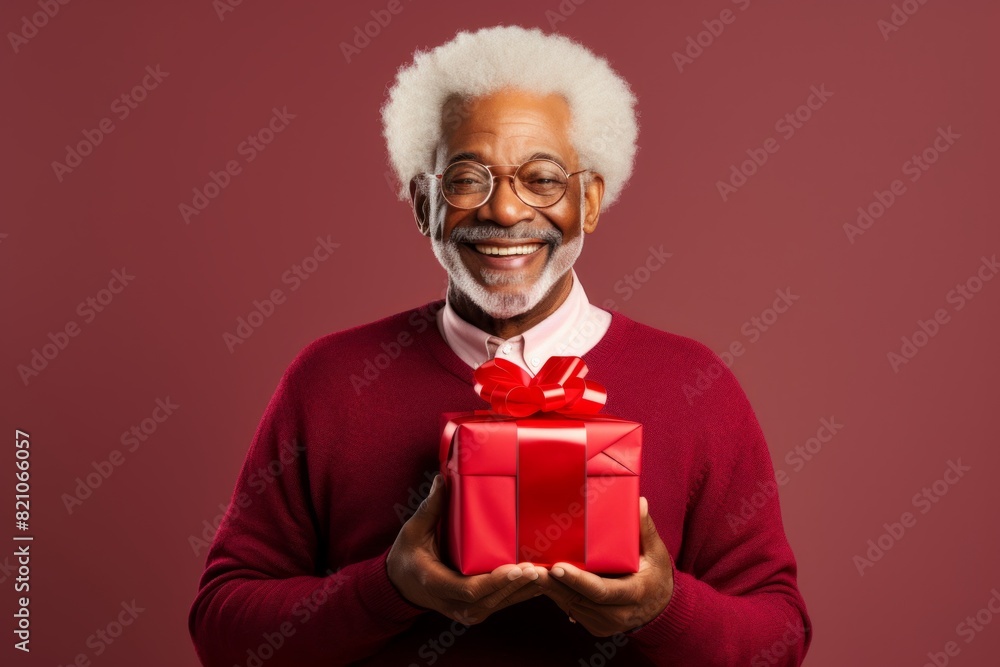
<point x="510" y="143"/>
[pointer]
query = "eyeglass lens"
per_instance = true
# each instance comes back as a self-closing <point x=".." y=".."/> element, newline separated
<point x="537" y="183"/>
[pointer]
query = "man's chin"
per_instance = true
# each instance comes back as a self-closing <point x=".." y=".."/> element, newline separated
<point x="504" y="281"/>
<point x="505" y="306"/>
<point x="500" y="293"/>
<point x="504" y="301"/>
<point x="506" y="291"/>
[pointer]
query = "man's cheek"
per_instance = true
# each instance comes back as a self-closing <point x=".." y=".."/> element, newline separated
<point x="446" y="219"/>
<point x="437" y="213"/>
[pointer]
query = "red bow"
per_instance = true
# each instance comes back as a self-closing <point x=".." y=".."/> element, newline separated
<point x="558" y="387"/>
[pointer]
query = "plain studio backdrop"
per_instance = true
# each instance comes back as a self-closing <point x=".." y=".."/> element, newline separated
<point x="822" y="175"/>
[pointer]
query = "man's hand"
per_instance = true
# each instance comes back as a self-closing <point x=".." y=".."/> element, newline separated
<point x="604" y="605"/>
<point x="415" y="569"/>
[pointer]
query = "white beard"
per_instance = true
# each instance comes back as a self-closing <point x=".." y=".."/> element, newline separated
<point x="504" y="305"/>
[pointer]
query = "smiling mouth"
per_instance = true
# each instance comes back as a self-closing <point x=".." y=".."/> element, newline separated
<point x="505" y="250"/>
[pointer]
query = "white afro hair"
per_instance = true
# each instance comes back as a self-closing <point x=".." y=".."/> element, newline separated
<point x="603" y="129"/>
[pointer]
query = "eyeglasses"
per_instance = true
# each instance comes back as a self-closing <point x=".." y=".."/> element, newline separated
<point x="538" y="183"/>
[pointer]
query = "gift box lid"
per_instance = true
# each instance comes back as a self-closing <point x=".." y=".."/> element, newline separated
<point x="484" y="443"/>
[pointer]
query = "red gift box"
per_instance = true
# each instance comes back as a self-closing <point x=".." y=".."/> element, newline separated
<point x="541" y="477"/>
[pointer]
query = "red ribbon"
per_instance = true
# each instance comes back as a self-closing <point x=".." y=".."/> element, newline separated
<point x="558" y="387"/>
<point x="551" y="492"/>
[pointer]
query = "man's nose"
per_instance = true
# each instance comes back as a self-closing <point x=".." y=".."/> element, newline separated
<point x="504" y="207"/>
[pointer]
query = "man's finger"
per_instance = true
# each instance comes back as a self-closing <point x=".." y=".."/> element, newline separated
<point x="554" y="588"/>
<point x="520" y="595"/>
<point x="443" y="583"/>
<point x="431" y="509"/>
<point x="447" y="584"/>
<point x="565" y="597"/>
<point x="601" y="590"/>
<point x="501" y="597"/>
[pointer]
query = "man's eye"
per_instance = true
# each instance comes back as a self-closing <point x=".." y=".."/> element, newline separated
<point x="466" y="177"/>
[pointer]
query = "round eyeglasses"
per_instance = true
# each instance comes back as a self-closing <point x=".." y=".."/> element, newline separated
<point x="538" y="183"/>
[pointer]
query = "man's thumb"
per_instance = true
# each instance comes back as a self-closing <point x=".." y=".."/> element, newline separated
<point x="433" y="505"/>
<point x="647" y="529"/>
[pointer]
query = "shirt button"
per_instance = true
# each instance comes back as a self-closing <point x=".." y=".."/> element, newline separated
<point x="535" y="361"/>
<point x="506" y="348"/>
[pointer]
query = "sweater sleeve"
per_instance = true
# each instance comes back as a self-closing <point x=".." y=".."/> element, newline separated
<point x="264" y="593"/>
<point x="735" y="599"/>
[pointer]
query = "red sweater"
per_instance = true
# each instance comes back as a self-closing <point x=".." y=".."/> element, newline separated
<point x="346" y="449"/>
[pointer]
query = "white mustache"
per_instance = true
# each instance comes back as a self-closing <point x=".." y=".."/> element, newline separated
<point x="477" y="234"/>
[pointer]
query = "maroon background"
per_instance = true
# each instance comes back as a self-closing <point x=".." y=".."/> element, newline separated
<point x="324" y="175"/>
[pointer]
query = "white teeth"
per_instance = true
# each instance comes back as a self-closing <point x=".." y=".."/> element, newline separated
<point x="502" y="251"/>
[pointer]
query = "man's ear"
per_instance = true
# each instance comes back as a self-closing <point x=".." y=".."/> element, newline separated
<point x="421" y="206"/>
<point x="593" y="195"/>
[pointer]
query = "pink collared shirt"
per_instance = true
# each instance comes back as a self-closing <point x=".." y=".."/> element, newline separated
<point x="571" y="330"/>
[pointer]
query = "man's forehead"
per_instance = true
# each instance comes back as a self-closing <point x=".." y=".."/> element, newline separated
<point x="514" y="122"/>
<point x="488" y="156"/>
